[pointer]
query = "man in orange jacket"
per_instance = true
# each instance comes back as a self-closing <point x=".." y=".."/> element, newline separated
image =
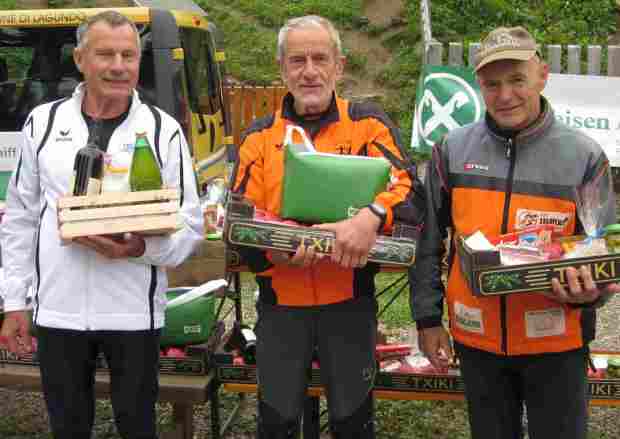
<point x="305" y="300"/>
<point x="516" y="168"/>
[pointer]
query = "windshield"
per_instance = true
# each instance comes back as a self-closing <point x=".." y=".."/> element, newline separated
<point x="36" y="66"/>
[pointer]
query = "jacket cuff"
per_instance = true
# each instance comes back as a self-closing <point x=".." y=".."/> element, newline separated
<point x="599" y="302"/>
<point x="14" y="305"/>
<point x="428" y="322"/>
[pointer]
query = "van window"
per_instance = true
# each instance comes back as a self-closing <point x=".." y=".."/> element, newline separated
<point x="36" y="66"/>
<point x="201" y="69"/>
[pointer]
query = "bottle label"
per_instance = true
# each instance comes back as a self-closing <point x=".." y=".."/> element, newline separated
<point x="94" y="186"/>
<point x="72" y="183"/>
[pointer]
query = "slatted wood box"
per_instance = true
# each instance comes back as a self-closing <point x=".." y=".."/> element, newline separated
<point x="149" y="212"/>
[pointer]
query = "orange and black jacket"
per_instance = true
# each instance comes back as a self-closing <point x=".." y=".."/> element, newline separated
<point x="481" y="178"/>
<point x="345" y="128"/>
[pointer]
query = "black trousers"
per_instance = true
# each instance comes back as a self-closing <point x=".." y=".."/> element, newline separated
<point x="68" y="360"/>
<point x="345" y="334"/>
<point x="552" y="386"/>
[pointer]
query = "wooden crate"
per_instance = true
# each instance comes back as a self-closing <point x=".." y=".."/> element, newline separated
<point x="149" y="212"/>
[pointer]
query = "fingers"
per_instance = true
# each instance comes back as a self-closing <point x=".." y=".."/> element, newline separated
<point x="305" y="257"/>
<point x="435" y="345"/>
<point x="580" y="288"/>
<point x="115" y="247"/>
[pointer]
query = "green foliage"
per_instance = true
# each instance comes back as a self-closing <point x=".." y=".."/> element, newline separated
<point x="273" y="13"/>
<point x="356" y="62"/>
<point x="250" y="49"/>
<point x="550" y="21"/>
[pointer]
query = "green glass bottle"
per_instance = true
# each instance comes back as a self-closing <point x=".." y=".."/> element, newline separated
<point x="144" y="174"/>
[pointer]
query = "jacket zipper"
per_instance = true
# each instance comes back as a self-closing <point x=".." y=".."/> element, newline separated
<point x="511" y="153"/>
<point x="314" y="289"/>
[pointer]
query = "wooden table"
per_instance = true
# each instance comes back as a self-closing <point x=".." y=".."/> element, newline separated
<point x="182" y="391"/>
<point x="601" y="392"/>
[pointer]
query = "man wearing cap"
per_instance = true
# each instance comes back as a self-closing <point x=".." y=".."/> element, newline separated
<point x="522" y="349"/>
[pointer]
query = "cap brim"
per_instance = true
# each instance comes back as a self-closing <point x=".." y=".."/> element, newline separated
<point x="519" y="55"/>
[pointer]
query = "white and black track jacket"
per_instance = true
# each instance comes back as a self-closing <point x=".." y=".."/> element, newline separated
<point x="75" y="287"/>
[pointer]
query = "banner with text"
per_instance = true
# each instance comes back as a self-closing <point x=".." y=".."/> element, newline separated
<point x="448" y="97"/>
<point x="10" y="146"/>
<point x="589" y="103"/>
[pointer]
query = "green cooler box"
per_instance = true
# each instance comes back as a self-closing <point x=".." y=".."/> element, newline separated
<point x="190" y="322"/>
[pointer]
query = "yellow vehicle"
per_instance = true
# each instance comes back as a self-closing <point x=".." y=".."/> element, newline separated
<point x="179" y="72"/>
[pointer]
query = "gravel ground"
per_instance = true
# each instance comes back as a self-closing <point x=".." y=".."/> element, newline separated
<point x="23" y="415"/>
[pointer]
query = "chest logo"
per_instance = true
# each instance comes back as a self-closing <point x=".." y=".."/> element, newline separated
<point x="528" y="218"/>
<point x="64" y="136"/>
<point x="475" y="167"/>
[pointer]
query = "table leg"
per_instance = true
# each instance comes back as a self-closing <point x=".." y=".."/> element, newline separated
<point x="183" y="421"/>
<point x="214" y="403"/>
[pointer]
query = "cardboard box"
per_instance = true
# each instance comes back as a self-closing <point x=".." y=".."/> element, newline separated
<point x="486" y="277"/>
<point x="599" y="389"/>
<point x="195" y="363"/>
<point x="243" y="229"/>
<point x="149" y="212"/>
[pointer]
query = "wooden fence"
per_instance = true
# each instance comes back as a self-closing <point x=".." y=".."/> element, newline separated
<point x="577" y="60"/>
<point x="246" y="103"/>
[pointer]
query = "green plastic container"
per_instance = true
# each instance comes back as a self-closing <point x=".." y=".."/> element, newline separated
<point x="188" y="323"/>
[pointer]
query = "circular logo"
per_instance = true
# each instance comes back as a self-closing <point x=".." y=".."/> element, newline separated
<point x="448" y="102"/>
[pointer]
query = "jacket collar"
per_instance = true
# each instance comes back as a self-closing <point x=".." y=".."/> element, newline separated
<point x="79" y="93"/>
<point x="329" y="116"/>
<point x="532" y="132"/>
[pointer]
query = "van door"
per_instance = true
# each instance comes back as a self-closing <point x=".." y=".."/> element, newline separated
<point x="205" y="103"/>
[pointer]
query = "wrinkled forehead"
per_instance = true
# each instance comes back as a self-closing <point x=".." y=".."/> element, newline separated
<point x="506" y="68"/>
<point x="309" y="41"/>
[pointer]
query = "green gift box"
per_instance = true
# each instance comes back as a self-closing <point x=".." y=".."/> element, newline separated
<point x="321" y="188"/>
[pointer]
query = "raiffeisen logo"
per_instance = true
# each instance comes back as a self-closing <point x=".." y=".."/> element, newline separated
<point x="448" y="102"/>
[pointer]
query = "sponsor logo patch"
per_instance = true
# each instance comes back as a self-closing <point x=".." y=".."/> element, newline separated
<point x="476" y="167"/>
<point x="545" y="323"/>
<point x="468" y="319"/>
<point x="529" y="218"/>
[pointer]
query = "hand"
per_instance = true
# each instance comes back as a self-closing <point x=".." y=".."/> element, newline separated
<point x="303" y="257"/>
<point x="117" y="246"/>
<point x="581" y="287"/>
<point x="435" y="345"/>
<point x="354" y="238"/>
<point x="16" y="332"/>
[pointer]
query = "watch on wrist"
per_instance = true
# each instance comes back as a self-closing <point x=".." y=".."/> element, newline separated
<point x="380" y="212"/>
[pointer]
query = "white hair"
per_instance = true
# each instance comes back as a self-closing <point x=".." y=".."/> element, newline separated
<point x="305" y="22"/>
<point x="111" y="18"/>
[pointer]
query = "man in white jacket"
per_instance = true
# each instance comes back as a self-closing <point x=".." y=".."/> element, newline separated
<point x="97" y="294"/>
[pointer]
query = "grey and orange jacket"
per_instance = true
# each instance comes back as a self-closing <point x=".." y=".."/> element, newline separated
<point x="482" y="179"/>
<point x="346" y="128"/>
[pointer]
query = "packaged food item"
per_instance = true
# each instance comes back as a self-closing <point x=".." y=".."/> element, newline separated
<point x="568" y="243"/>
<point x="613" y="367"/>
<point x="116" y="172"/>
<point x="587" y="247"/>
<point x="536" y="236"/>
<point x="612" y="238"/>
<point x="515" y="255"/>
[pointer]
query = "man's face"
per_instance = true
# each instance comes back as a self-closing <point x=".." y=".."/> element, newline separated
<point x="511" y="90"/>
<point x="310" y="68"/>
<point x="110" y="61"/>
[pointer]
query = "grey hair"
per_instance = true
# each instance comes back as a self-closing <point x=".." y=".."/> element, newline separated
<point x="111" y="18"/>
<point x="305" y="22"/>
